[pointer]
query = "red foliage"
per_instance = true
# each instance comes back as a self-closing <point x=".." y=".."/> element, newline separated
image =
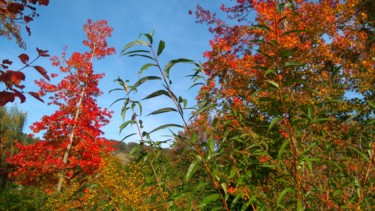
<point x="81" y="121"/>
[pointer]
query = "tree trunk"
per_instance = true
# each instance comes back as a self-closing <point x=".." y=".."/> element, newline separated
<point x="71" y="137"/>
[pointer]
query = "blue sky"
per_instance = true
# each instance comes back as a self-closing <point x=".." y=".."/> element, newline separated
<point x="61" y="24"/>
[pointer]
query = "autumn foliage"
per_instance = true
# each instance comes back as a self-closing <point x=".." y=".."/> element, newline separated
<point x="72" y="139"/>
<point x="284" y="118"/>
<point x="13" y="15"/>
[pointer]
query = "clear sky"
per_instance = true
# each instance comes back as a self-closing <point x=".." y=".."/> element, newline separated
<point x="61" y="23"/>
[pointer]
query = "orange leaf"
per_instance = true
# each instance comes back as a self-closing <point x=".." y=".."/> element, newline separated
<point x="16" y="77"/>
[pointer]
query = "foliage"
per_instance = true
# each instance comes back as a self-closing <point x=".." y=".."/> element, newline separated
<point x="12" y="122"/>
<point x="73" y="132"/>
<point x="13" y="14"/>
<point x="114" y="187"/>
<point x="285" y="117"/>
<point x="16" y="197"/>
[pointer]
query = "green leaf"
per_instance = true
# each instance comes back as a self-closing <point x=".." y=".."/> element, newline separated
<point x="293" y="31"/>
<point x="360" y="153"/>
<point x="123" y="125"/>
<point x="281" y="151"/>
<point x="202" y="109"/>
<point x="120" y="99"/>
<point x="136" y="51"/>
<point x="371" y="104"/>
<point x="171" y="63"/>
<point x="208" y="199"/>
<point x="134" y="150"/>
<point x="145" y="67"/>
<point x="161" y="47"/>
<point x="141" y="55"/>
<point x="162" y="110"/>
<point x="149" y="37"/>
<point x="259" y="27"/>
<point x="282" y="195"/>
<point x="128" y="136"/>
<point x="274" y="122"/>
<point x="293" y="64"/>
<point x="134" y="43"/>
<point x="165" y="126"/>
<point x="299" y="206"/>
<point x="144" y="79"/>
<point x="273" y="83"/>
<point x="269" y="71"/>
<point x="192" y="169"/>
<point x="157" y="93"/>
<point x="182" y="100"/>
<point x="117" y="89"/>
<point x="280" y="7"/>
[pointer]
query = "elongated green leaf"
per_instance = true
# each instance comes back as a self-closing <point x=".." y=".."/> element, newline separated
<point x="165" y="126"/>
<point x="269" y="71"/>
<point x="120" y="99"/>
<point x="128" y="136"/>
<point x="117" y="89"/>
<point x="259" y="27"/>
<point x="299" y="206"/>
<point x="281" y="151"/>
<point x="273" y="83"/>
<point x="134" y="43"/>
<point x="274" y="122"/>
<point x="171" y="63"/>
<point x="192" y="169"/>
<point x="134" y="103"/>
<point x="136" y="51"/>
<point x="145" y="67"/>
<point x="293" y="64"/>
<point x="371" y="104"/>
<point x="157" y="93"/>
<point x="162" y="110"/>
<point x="144" y="79"/>
<point x="282" y="195"/>
<point x="134" y="150"/>
<point x="149" y="37"/>
<point x="208" y="199"/>
<point x="141" y="55"/>
<point x="123" y="125"/>
<point x="280" y="8"/>
<point x="161" y="47"/>
<point x="202" y="109"/>
<point x="293" y="31"/>
<point x="360" y="153"/>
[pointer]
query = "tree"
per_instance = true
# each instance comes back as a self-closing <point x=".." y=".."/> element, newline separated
<point x="12" y="122"/>
<point x="281" y="83"/>
<point x="72" y="140"/>
<point x="13" y="15"/>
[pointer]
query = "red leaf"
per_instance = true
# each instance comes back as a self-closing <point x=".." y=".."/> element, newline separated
<point x="42" y="53"/>
<point x="42" y="71"/>
<point x="36" y="95"/>
<point x="43" y="2"/>
<point x="19" y="95"/>
<point x="7" y="61"/>
<point x="24" y="58"/>
<point x="16" y="77"/>
<point x="6" y="97"/>
<point x="27" y="18"/>
<point x="28" y="30"/>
